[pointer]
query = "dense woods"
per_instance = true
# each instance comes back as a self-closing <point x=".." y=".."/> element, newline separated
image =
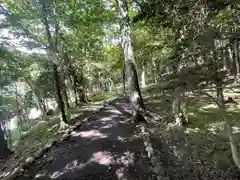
<point x="57" y="56"/>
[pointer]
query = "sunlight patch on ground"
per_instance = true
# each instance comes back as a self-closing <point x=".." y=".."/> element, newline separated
<point x="127" y="159"/>
<point x="89" y="134"/>
<point x="114" y="111"/>
<point x="191" y="130"/>
<point x="4" y="174"/>
<point x="208" y="106"/>
<point x="120" y="138"/>
<point x="106" y="127"/>
<point x="55" y="126"/>
<point x="234" y="108"/>
<point x="40" y="176"/>
<point x="69" y="167"/>
<point x="75" y="115"/>
<point x="120" y="173"/>
<point x="106" y="119"/>
<point x="103" y="158"/>
<point x="236" y="130"/>
<point x="215" y="127"/>
<point x="192" y="114"/>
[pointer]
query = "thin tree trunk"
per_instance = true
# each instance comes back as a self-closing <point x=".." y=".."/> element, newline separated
<point x="75" y="90"/>
<point x="143" y="80"/>
<point x="59" y="96"/>
<point x="65" y="95"/>
<point x="233" y="145"/>
<point x="124" y="78"/>
<point x="217" y="79"/>
<point x="237" y="59"/>
<point x="154" y="71"/>
<point x="53" y="52"/>
<point x="232" y="57"/>
<point x="4" y="151"/>
<point x="131" y="72"/>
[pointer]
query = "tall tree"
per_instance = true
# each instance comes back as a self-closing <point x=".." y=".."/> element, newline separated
<point x="53" y="45"/>
<point x="129" y="61"/>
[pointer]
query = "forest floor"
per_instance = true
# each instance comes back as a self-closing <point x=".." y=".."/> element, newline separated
<point x="200" y="149"/>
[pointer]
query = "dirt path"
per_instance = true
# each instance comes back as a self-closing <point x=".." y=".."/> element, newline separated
<point x="105" y="148"/>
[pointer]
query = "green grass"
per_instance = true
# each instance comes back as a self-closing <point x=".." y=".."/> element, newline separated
<point x="103" y="96"/>
<point x="42" y="133"/>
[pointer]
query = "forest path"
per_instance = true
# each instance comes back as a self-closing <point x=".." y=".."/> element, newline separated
<point x="105" y="148"/>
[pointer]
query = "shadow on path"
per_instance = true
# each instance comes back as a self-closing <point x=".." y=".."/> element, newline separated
<point x="105" y="148"/>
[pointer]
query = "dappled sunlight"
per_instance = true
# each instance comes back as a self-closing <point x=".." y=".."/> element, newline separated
<point x="120" y="138"/>
<point x="120" y="173"/>
<point x="233" y="108"/>
<point x="113" y="111"/>
<point x="55" y="126"/>
<point x="40" y="176"/>
<point x="106" y="127"/>
<point x="69" y="167"/>
<point x="4" y="174"/>
<point x="236" y="130"/>
<point x="127" y="159"/>
<point x="106" y="119"/>
<point x="191" y="130"/>
<point x="103" y="158"/>
<point x="216" y="127"/>
<point x="75" y="115"/>
<point x="208" y="106"/>
<point x="192" y="114"/>
<point x="89" y="134"/>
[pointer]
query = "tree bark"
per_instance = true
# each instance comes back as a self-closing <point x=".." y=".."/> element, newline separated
<point x="4" y="151"/>
<point x="65" y="95"/>
<point x="131" y="72"/>
<point x="233" y="145"/>
<point x="143" y="80"/>
<point x="124" y="78"/>
<point x="237" y="47"/>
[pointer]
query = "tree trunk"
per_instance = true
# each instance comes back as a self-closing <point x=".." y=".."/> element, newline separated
<point x="53" y="53"/>
<point x="232" y="57"/>
<point x="75" y="91"/>
<point x="131" y="72"/>
<point x="65" y="95"/>
<point x="154" y="72"/>
<point x="124" y="78"/>
<point x="59" y="96"/>
<point x="4" y="151"/>
<point x="143" y="80"/>
<point x="179" y="108"/>
<point x="233" y="145"/>
<point x="237" y="58"/>
<point x="217" y="80"/>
